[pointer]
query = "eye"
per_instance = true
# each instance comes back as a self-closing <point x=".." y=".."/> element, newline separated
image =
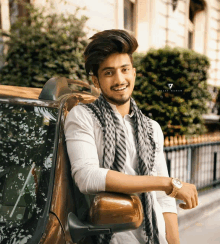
<point x="126" y="69"/>
<point x="108" y="73"/>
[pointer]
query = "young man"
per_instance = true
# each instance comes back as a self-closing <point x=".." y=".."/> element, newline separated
<point x="113" y="147"/>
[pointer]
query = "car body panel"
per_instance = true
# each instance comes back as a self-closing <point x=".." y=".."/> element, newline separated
<point x="62" y="199"/>
<point x="53" y="233"/>
<point x="18" y="91"/>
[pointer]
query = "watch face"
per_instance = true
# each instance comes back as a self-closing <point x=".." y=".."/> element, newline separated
<point x="177" y="183"/>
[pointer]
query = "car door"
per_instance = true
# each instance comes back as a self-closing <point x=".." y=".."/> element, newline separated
<point x="66" y="197"/>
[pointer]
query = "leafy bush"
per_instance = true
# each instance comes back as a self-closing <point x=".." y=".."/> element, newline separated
<point x="178" y="109"/>
<point x="41" y="46"/>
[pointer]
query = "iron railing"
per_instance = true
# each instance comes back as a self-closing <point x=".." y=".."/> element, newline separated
<point x="195" y="163"/>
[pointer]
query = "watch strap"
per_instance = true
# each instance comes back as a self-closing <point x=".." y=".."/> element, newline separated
<point x="174" y="192"/>
<point x="175" y="188"/>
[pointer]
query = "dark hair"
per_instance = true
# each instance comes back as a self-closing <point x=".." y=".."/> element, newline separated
<point x="104" y="44"/>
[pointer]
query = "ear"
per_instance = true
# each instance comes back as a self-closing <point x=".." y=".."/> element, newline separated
<point x="95" y="81"/>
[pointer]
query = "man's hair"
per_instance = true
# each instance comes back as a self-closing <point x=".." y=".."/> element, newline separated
<point x="104" y="44"/>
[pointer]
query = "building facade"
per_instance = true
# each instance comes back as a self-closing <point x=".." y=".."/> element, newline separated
<point x="193" y="24"/>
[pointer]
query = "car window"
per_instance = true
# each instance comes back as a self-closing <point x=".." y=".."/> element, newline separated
<point x="26" y="151"/>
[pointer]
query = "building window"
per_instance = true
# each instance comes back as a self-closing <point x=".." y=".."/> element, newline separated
<point x="17" y="9"/>
<point x="190" y="34"/>
<point x="129" y="15"/>
<point x="195" y="7"/>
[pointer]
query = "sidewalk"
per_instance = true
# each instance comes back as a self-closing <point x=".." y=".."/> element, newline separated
<point x="207" y="202"/>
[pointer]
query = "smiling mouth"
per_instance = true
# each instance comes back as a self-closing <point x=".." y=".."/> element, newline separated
<point x="121" y="88"/>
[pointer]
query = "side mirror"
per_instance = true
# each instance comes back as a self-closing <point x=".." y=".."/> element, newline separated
<point x="109" y="213"/>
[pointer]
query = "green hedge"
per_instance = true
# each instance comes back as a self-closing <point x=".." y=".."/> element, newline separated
<point x="41" y="46"/>
<point x="178" y="109"/>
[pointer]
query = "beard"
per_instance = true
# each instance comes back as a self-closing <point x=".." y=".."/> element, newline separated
<point x="116" y="101"/>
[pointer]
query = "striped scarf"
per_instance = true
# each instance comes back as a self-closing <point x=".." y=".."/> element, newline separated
<point x="114" y="156"/>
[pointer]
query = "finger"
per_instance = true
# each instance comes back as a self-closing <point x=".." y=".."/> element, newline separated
<point x="197" y="199"/>
<point x="193" y="200"/>
<point x="196" y="193"/>
<point x="183" y="206"/>
<point x="188" y="203"/>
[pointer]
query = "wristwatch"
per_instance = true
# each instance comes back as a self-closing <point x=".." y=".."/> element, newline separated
<point x="176" y="186"/>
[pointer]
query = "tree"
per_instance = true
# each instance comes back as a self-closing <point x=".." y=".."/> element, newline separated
<point x="41" y="46"/>
<point x="171" y="88"/>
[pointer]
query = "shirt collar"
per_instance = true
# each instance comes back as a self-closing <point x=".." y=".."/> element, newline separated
<point x="113" y="106"/>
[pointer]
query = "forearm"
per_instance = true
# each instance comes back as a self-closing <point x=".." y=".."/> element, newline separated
<point x="128" y="184"/>
<point x="172" y="232"/>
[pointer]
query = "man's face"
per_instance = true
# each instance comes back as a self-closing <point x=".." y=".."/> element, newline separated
<point x="116" y="78"/>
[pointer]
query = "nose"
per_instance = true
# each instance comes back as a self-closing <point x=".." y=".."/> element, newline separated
<point x="119" y="78"/>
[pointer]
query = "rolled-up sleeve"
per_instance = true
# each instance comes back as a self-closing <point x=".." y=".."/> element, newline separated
<point x="167" y="203"/>
<point x="82" y="151"/>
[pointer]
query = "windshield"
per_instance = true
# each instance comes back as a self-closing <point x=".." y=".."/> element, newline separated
<point x="26" y="151"/>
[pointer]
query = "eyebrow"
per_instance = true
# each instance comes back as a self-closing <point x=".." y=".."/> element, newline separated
<point x="124" y="65"/>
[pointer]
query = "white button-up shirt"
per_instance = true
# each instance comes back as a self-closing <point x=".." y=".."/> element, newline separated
<point x="84" y="139"/>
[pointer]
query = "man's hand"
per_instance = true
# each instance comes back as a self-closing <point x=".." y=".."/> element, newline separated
<point x="129" y="184"/>
<point x="189" y="195"/>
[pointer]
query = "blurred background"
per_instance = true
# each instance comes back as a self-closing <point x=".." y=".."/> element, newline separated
<point x="45" y="38"/>
<point x="178" y="72"/>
